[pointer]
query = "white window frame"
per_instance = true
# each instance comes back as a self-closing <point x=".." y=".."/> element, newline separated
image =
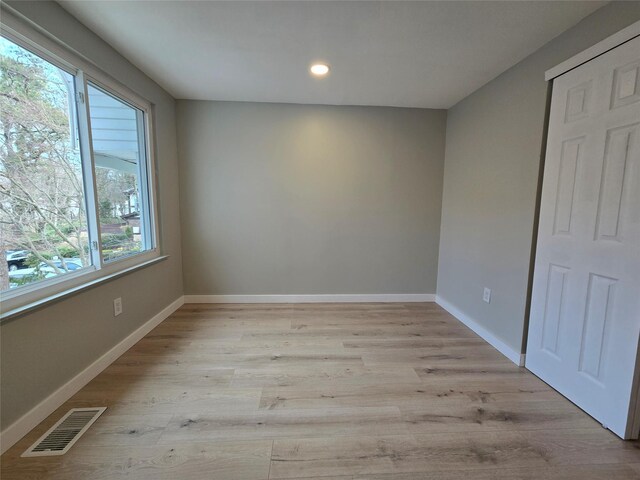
<point x="85" y="72"/>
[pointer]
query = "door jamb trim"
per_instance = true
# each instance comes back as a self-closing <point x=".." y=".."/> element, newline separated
<point x="594" y="51"/>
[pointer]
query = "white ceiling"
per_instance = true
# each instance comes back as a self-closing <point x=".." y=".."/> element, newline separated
<point x="413" y="54"/>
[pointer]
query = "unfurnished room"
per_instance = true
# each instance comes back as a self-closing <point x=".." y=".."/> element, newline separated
<point x="330" y="240"/>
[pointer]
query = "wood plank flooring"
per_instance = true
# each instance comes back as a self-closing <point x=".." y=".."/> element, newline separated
<point x="325" y="391"/>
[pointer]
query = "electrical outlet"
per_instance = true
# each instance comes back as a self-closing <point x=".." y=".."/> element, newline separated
<point x="117" y="307"/>
<point x="486" y="295"/>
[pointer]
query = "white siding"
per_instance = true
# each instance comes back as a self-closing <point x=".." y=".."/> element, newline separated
<point x="113" y="127"/>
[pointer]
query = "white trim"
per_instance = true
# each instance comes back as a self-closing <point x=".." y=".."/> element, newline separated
<point x="590" y="53"/>
<point x="85" y="140"/>
<point x="339" y="298"/>
<point x="513" y="355"/>
<point x="22" y="426"/>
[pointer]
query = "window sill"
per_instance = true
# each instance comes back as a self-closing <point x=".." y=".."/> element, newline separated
<point x="43" y="302"/>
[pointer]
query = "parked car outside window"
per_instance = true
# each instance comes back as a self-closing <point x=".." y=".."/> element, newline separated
<point x="16" y="259"/>
<point x="44" y="270"/>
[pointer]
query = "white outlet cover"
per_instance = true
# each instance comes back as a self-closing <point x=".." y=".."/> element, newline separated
<point x="486" y="295"/>
<point x="117" y="306"/>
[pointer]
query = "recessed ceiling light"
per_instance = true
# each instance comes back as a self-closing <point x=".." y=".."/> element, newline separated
<point x="319" y="69"/>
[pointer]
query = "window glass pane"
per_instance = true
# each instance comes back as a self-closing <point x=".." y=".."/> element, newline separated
<point x="117" y="133"/>
<point x="43" y="221"/>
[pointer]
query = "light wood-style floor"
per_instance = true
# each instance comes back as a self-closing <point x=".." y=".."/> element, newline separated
<point x="355" y="391"/>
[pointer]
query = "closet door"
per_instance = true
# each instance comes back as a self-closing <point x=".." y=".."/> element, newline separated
<point x="585" y="312"/>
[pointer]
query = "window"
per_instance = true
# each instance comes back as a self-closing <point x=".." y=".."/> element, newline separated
<point x="117" y="133"/>
<point x="75" y="189"/>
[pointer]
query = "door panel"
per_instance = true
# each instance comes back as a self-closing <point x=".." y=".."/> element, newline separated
<point x="585" y="309"/>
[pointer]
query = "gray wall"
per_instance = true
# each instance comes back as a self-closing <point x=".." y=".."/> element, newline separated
<point x="494" y="140"/>
<point x="293" y="199"/>
<point x="43" y="350"/>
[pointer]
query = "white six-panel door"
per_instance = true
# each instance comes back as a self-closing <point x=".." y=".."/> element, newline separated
<point x="585" y="311"/>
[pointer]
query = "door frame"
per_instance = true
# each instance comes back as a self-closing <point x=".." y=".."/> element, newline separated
<point x="600" y="48"/>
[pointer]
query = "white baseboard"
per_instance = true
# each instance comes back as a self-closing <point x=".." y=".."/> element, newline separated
<point x="22" y="426"/>
<point x="355" y="298"/>
<point x="513" y="355"/>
